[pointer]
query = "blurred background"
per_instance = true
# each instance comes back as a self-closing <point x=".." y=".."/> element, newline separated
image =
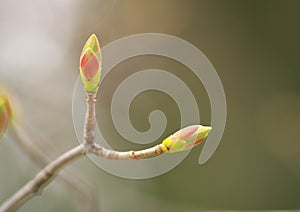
<point x="253" y="45"/>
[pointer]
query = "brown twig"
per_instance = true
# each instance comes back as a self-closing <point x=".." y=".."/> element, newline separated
<point x="45" y="176"/>
<point x="91" y="145"/>
<point x="39" y="154"/>
<point x="115" y="155"/>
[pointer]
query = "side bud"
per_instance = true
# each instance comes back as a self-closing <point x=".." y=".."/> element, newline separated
<point x="185" y="138"/>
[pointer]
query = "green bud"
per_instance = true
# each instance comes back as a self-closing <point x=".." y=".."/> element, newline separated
<point x="185" y="138"/>
<point x="90" y="64"/>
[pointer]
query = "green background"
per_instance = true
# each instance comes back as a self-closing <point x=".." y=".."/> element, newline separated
<point x="254" y="47"/>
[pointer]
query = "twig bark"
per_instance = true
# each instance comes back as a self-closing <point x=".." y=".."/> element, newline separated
<point x="45" y="176"/>
<point x="39" y="154"/>
<point x="90" y="120"/>
<point x="90" y="142"/>
<point x="115" y="155"/>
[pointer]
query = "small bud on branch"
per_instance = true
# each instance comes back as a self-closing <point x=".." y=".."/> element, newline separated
<point x="185" y="138"/>
<point x="90" y="64"/>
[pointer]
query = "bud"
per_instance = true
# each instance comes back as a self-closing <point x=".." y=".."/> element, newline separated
<point x="90" y="64"/>
<point x="185" y="138"/>
<point x="5" y="113"/>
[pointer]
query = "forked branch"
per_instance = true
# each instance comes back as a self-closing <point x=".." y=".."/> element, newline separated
<point x="44" y="177"/>
<point x="90" y="70"/>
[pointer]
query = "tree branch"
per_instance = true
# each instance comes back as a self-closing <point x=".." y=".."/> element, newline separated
<point x="115" y="155"/>
<point x="39" y="153"/>
<point x="44" y="177"/>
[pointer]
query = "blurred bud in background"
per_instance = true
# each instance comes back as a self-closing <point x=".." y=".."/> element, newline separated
<point x="5" y="113"/>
